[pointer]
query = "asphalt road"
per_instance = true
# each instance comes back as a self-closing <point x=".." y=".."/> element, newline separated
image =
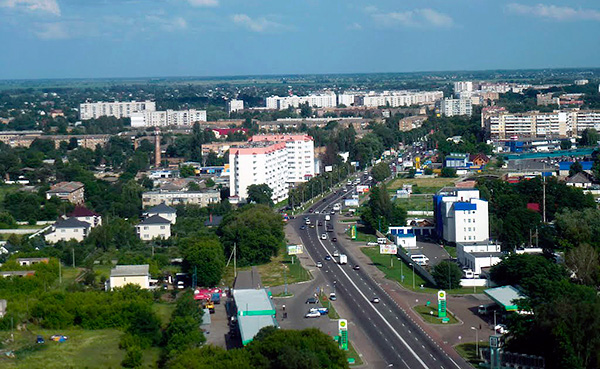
<point x="399" y="340"/>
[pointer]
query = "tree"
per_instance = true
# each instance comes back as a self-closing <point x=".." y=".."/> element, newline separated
<point x="133" y="358"/>
<point x="380" y="212"/>
<point x="381" y="171"/>
<point x="206" y="256"/>
<point x="213" y="357"/>
<point x="260" y="194"/>
<point x="187" y="171"/>
<point x="575" y="168"/>
<point x="589" y="137"/>
<point x="305" y="110"/>
<point x="583" y="261"/>
<point x="258" y="232"/>
<point x="447" y="275"/>
<point x="565" y="144"/>
<point x="448" y="172"/>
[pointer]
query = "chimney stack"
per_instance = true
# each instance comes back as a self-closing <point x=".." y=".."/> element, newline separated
<point x="157" y="148"/>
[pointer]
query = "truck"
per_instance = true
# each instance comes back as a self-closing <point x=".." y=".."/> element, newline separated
<point x="343" y="259"/>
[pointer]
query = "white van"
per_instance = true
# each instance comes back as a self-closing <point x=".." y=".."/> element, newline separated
<point x="327" y="217"/>
<point x="420" y="259"/>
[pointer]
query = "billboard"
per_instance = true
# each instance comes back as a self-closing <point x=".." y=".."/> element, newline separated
<point x="388" y="249"/>
<point x="353" y="232"/>
<point x="350" y="202"/>
<point x="362" y="189"/>
<point x="329" y="168"/>
<point x="294" y="249"/>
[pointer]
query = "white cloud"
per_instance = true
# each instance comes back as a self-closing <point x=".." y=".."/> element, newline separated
<point x="414" y="18"/>
<point x="51" y="31"/>
<point x="256" y="25"/>
<point x="370" y="9"/>
<point x="203" y="2"/>
<point x="355" y="27"/>
<point x="168" y="24"/>
<point x="45" y="6"/>
<point x="560" y="13"/>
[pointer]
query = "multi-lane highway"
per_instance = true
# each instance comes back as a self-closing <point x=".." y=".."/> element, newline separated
<point x="397" y="338"/>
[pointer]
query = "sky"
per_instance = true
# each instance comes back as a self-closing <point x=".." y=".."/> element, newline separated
<point x="161" y="38"/>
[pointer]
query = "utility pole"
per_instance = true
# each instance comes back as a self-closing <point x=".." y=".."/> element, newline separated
<point x="234" y="261"/>
<point x="73" y="257"/>
<point x="544" y="199"/>
<point x="59" y="273"/>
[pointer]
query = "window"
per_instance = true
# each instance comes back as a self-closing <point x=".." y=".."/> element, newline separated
<point x="163" y="227"/>
<point x="145" y="228"/>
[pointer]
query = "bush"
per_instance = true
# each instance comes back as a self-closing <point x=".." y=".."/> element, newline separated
<point x="133" y="358"/>
<point x="447" y="275"/>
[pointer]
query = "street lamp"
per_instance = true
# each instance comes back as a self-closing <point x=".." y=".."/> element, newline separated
<point x="413" y="266"/>
<point x="476" y="341"/>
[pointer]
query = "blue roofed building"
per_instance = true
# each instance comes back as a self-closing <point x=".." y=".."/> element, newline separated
<point x="461" y="215"/>
<point x="565" y="166"/>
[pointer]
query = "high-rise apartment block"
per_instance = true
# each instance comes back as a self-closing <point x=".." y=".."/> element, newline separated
<point x="235" y="105"/>
<point x="461" y="216"/>
<point x="301" y="155"/>
<point x="399" y="98"/>
<point x="116" y="109"/>
<point x="452" y="107"/>
<point x="167" y="118"/>
<point x="463" y="86"/>
<point x="259" y="163"/>
<point x="325" y="100"/>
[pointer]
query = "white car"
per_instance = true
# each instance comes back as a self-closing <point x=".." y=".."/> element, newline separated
<point x="324" y="236"/>
<point x="375" y="300"/>
<point x="336" y="253"/>
<point x="313" y="314"/>
<point x="501" y="329"/>
<point x="319" y="264"/>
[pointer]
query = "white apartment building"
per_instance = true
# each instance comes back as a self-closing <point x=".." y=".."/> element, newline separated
<point x="259" y="163"/>
<point x="324" y="100"/>
<point x="461" y="216"/>
<point x="463" y="86"/>
<point x="453" y="107"/>
<point x="172" y="198"/>
<point x="558" y="124"/>
<point x="399" y="98"/>
<point x="475" y="256"/>
<point x="347" y="99"/>
<point x="154" y="227"/>
<point x="118" y="109"/>
<point x="167" y="118"/>
<point x="300" y="155"/>
<point x="164" y="211"/>
<point x="235" y="105"/>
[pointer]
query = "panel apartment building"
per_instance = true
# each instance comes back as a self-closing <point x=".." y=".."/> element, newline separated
<point x="461" y="216"/>
<point x="452" y="107"/>
<point x="398" y="98"/>
<point x="501" y="124"/>
<point x="259" y="163"/>
<point x="167" y="118"/>
<point x="117" y="109"/>
<point x="324" y="100"/>
<point x="300" y="155"/>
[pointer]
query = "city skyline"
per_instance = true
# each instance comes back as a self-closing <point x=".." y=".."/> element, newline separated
<point x="110" y="39"/>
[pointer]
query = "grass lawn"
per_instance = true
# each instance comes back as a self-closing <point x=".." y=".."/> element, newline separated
<point x="423" y="185"/>
<point x="468" y="351"/>
<point x="451" y="250"/>
<point x="361" y="236"/>
<point x="426" y="313"/>
<point x="272" y="273"/>
<point x="351" y="353"/>
<point x="103" y="270"/>
<point x="69" y="274"/>
<point x="416" y="203"/>
<point x="84" y="348"/>
<point x="402" y="269"/>
<point x="164" y="311"/>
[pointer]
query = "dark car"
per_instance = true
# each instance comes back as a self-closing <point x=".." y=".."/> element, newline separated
<point x="320" y="223"/>
<point x="327" y="257"/>
<point x="334" y="239"/>
<point x="302" y="227"/>
<point x="40" y="340"/>
<point x="310" y="210"/>
<point x="356" y="267"/>
<point x="312" y="300"/>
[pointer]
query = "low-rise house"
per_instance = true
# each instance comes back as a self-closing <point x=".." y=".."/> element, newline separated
<point x="580" y="180"/>
<point x="404" y="237"/>
<point x="31" y="261"/>
<point x="164" y="211"/>
<point x="479" y="160"/>
<point x="84" y="214"/>
<point x="123" y="275"/>
<point x="16" y="273"/>
<point x="67" y="229"/>
<point x="213" y="221"/>
<point x="478" y="255"/>
<point x="154" y="227"/>
<point x="71" y="191"/>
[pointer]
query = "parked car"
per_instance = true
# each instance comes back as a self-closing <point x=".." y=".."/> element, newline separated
<point x="312" y="314"/>
<point x="320" y="223"/>
<point x="332" y="296"/>
<point x="319" y="264"/>
<point x="40" y="340"/>
<point x="302" y="227"/>
<point x="59" y="338"/>
<point x="312" y="300"/>
<point x="323" y="310"/>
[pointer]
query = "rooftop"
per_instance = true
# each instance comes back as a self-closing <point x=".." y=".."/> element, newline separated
<point x="65" y="187"/>
<point x="247" y="279"/>
<point x="162" y="208"/>
<point x="253" y="302"/>
<point x="82" y="211"/>
<point x="154" y="220"/>
<point x="505" y="296"/>
<point x="250" y="325"/>
<point x="130" y="270"/>
<point x="71" y="223"/>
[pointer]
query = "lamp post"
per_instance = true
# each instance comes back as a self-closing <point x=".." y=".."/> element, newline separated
<point x="476" y="341"/>
<point x="413" y="266"/>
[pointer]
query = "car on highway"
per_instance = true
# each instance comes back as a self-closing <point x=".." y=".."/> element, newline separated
<point x="332" y="296"/>
<point x="310" y="210"/>
<point x="307" y="221"/>
<point x="327" y="257"/>
<point x="356" y="267"/>
<point x="336" y="253"/>
<point x="312" y="226"/>
<point x="312" y="300"/>
<point x="324" y="236"/>
<point x="312" y="314"/>
<point x="375" y="300"/>
<point x="302" y="227"/>
<point x="316" y="212"/>
<point x="332" y="212"/>
<point x="319" y="264"/>
<point x="334" y="239"/>
<point x="320" y="223"/>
